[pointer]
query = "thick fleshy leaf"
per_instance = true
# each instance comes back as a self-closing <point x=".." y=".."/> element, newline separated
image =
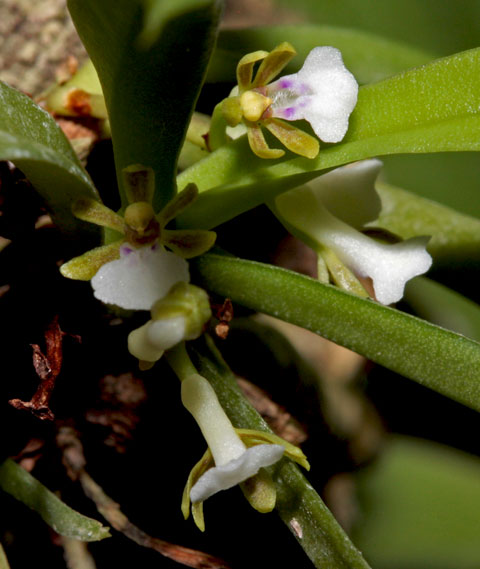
<point x="299" y="506"/>
<point x="31" y="139"/>
<point x="149" y="99"/>
<point x="61" y="518"/>
<point x="369" y="57"/>
<point x="434" y="108"/>
<point x="455" y="237"/>
<point x="434" y="357"/>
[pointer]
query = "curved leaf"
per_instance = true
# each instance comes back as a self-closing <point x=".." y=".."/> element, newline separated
<point x="299" y="506"/>
<point x="369" y="57"/>
<point x="434" y="108"/>
<point x="150" y="86"/>
<point x="439" y="359"/>
<point x="31" y="139"/>
<point x="24" y="487"/>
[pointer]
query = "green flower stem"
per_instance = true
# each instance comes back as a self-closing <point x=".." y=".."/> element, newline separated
<point x="217" y="135"/>
<point x="180" y="362"/>
<point x="299" y="506"/>
<point x="437" y="358"/>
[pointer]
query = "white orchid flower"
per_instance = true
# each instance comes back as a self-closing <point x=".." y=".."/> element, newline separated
<point x="234" y="463"/>
<point x="328" y="213"/>
<point x="323" y="92"/>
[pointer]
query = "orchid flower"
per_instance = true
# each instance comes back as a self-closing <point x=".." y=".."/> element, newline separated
<point x="323" y="93"/>
<point x="136" y="270"/>
<point x="234" y="462"/>
<point x="178" y="316"/>
<point x="328" y="213"/>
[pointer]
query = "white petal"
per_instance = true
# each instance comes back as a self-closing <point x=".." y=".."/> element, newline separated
<point x="235" y="471"/>
<point x="140" y="277"/>
<point x="349" y="192"/>
<point x="148" y="342"/>
<point x="389" y="266"/>
<point x="323" y="92"/>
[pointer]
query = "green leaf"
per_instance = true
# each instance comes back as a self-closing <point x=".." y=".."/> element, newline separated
<point x="419" y="507"/>
<point x="439" y="359"/>
<point x="150" y="85"/>
<point x="369" y="57"/>
<point x="299" y="506"/>
<point x="31" y="139"/>
<point x="444" y="307"/>
<point x="455" y="236"/>
<point x="61" y="518"/>
<point x="434" y="108"/>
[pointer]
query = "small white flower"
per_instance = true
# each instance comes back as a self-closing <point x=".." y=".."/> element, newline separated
<point x="323" y="92"/>
<point x="139" y="277"/>
<point x="234" y="463"/>
<point x="328" y="212"/>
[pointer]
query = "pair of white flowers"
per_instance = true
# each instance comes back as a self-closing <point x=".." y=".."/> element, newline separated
<point x="328" y="214"/>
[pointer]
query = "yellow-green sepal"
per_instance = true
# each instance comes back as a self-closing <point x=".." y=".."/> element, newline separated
<point x="293" y="138"/>
<point x="260" y="492"/>
<point x="84" y="267"/>
<point x="200" y="468"/>
<point x="273" y="64"/>
<point x="341" y="275"/>
<point x="93" y="211"/>
<point x="139" y="183"/>
<point x="251" y="437"/>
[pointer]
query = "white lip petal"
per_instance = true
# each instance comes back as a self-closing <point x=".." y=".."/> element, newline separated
<point x="389" y="266"/>
<point x="323" y="92"/>
<point x="349" y="192"/>
<point x="139" y="278"/>
<point x="235" y="471"/>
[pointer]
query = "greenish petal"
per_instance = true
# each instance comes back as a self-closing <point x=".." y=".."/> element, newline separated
<point x="260" y="492"/>
<point x="177" y="204"/>
<point x="188" y="243"/>
<point x="245" y="68"/>
<point x="259" y="145"/>
<point x="273" y="64"/>
<point x="293" y="138"/>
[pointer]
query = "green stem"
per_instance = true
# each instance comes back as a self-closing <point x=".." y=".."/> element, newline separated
<point x="180" y="361"/>
<point x="217" y="135"/>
